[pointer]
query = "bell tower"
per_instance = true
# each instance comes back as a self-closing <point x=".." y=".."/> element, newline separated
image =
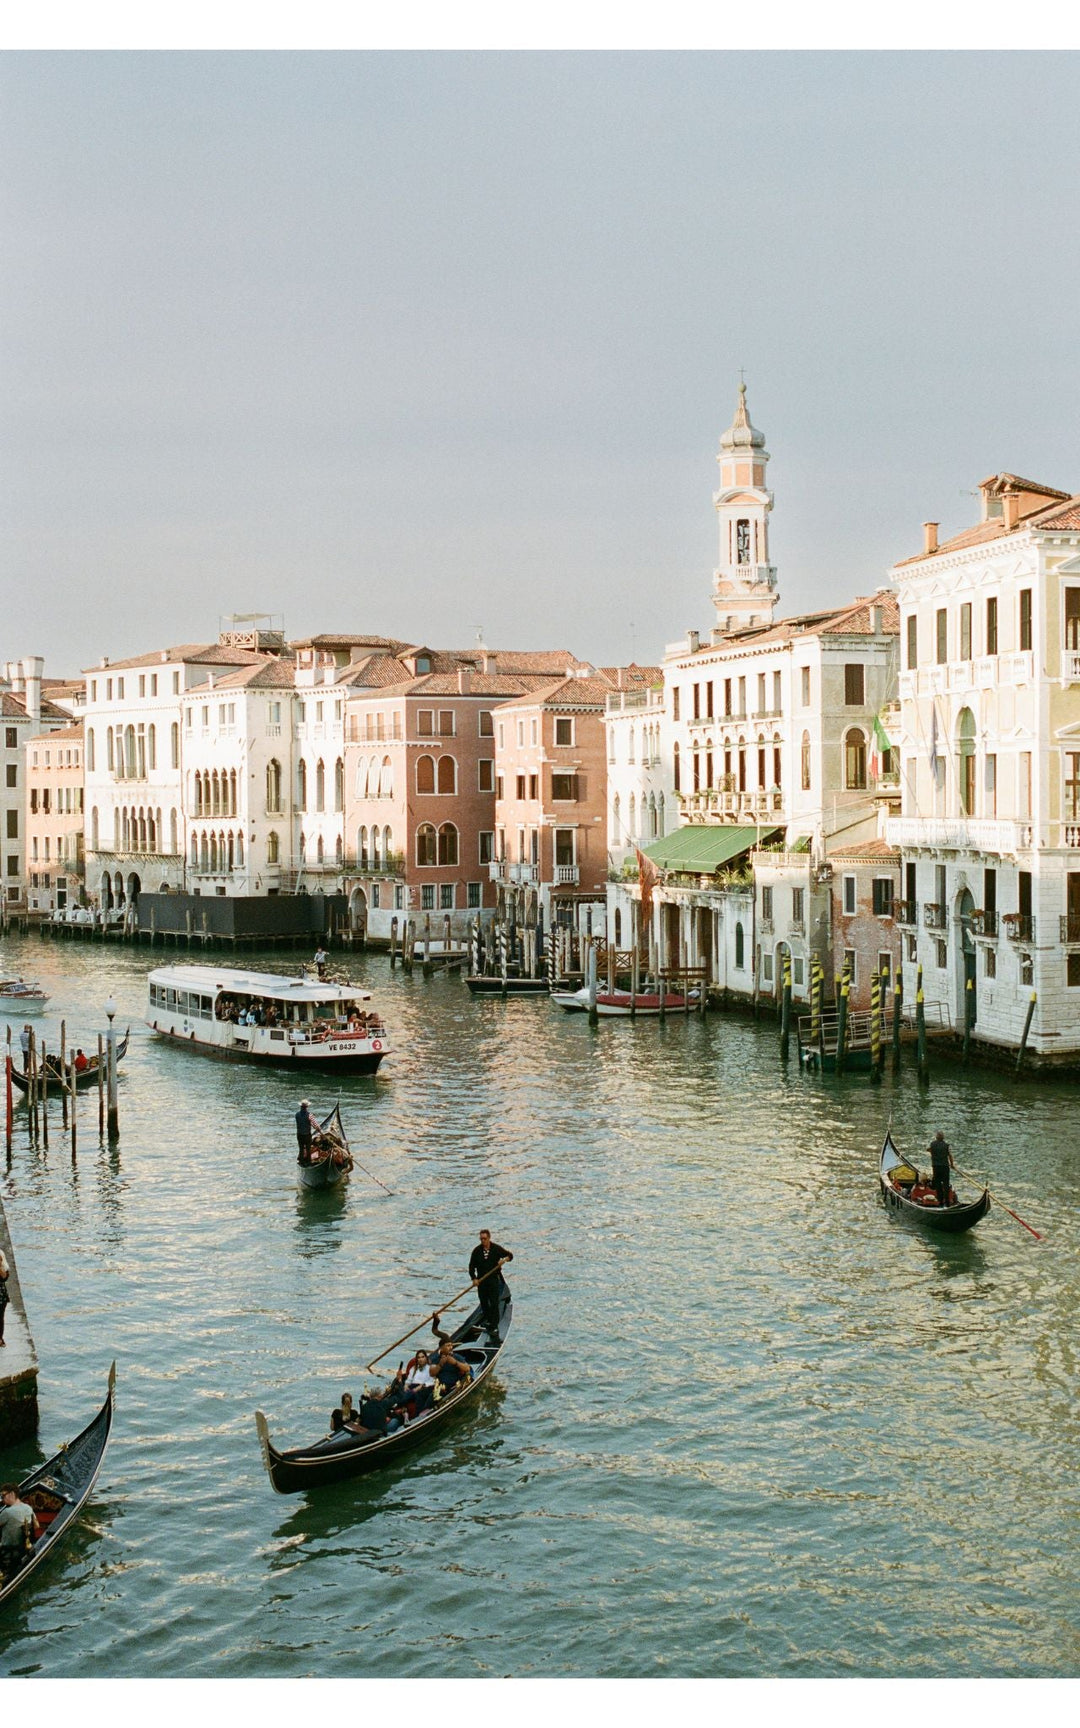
<point x="744" y="586"/>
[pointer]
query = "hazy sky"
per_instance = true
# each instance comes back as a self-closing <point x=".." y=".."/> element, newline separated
<point x="423" y="344"/>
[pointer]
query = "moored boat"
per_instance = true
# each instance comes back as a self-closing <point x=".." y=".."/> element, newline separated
<point x="87" y="1076"/>
<point x="331" y="1159"/>
<point x="59" y="1489"/>
<point x="339" y="1456"/>
<point x="19" y="997"/>
<point x="902" y="1191"/>
<point x="619" y="1004"/>
<point x="303" y="1023"/>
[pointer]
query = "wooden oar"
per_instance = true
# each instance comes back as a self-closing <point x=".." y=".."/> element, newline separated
<point x="434" y="1315"/>
<point x="999" y="1202"/>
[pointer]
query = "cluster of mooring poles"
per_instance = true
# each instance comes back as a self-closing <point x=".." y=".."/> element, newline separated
<point x="54" y="1076"/>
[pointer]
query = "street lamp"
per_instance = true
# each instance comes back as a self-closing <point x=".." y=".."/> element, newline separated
<point x="110" y="1013"/>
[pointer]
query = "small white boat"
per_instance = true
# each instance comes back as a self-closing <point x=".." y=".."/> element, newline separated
<point x="617" y="1003"/>
<point x="19" y="997"/>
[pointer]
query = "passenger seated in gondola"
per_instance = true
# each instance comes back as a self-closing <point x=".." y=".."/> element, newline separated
<point x="81" y="1063"/>
<point x="383" y="1414"/>
<point x="19" y="1529"/>
<point x="450" y="1373"/>
<point x="344" y="1416"/>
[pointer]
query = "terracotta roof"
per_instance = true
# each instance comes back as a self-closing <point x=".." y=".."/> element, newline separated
<point x="187" y="653"/>
<point x="375" y="673"/>
<point x="14" y="708"/>
<point x="633" y="677"/>
<point x="272" y="674"/>
<point x="567" y="693"/>
<point x="1015" y="483"/>
<point x="850" y="620"/>
<point x="874" y="849"/>
<point x="339" y="639"/>
<point x="1065" y="514"/>
<point x="855" y="620"/>
<point x="75" y="730"/>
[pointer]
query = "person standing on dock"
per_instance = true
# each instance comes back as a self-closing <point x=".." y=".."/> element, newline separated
<point x="485" y="1258"/>
<point x="941" y="1160"/>
<point x="305" y="1129"/>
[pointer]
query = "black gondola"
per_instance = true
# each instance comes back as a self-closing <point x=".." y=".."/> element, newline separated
<point x="902" y="1192"/>
<point x="339" y="1456"/>
<point x="83" y="1076"/>
<point x="59" y="1489"/>
<point x="336" y="1162"/>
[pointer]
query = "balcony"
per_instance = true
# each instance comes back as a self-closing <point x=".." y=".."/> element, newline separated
<point x="935" y="917"/>
<point x="1072" y="834"/>
<point x="497" y="869"/>
<point x="1070" y="665"/>
<point x="1019" y="926"/>
<point x="797" y="927"/>
<point x="906" y="912"/>
<point x="1070" y="926"/>
<point x="524" y="872"/>
<point x="362" y="864"/>
<point x="765" y="925"/>
<point x="984" y="923"/>
<point x="567" y="875"/>
<point x="960" y="834"/>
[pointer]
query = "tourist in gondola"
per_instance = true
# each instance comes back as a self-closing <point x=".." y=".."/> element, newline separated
<point x="344" y="1416"/>
<point x="383" y="1415"/>
<point x="81" y="1062"/>
<point x="450" y="1372"/>
<point x="941" y="1161"/>
<point x="485" y="1258"/>
<point x="18" y="1529"/>
<point x="305" y="1131"/>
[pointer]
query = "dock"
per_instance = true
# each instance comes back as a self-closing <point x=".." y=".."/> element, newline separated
<point x="18" y="1364"/>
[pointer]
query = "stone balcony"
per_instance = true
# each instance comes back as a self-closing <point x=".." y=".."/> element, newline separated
<point x="960" y="834"/>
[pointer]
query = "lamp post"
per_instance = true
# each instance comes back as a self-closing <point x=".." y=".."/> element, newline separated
<point x="110" y="1044"/>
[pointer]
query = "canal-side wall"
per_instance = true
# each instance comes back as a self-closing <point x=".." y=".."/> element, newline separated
<point x="18" y="1361"/>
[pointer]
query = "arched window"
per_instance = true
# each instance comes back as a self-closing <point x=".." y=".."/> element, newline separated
<point x="426" y="845"/>
<point x="232" y="791"/>
<point x="301" y="784"/>
<point x="338" y="851"/>
<point x="616" y="807"/>
<point x="965" y="748"/>
<point x="361" y="778"/>
<point x="339" y="784"/>
<point x="740" y="947"/>
<point x="855" y="760"/>
<point x="804" y="780"/>
<point x="742" y="541"/>
<point x="631" y="827"/>
<point x="174" y="739"/>
<point x="213" y="855"/>
<point x="94" y="829"/>
<point x="618" y="926"/>
<point x="215" y="794"/>
<point x="376" y="848"/>
<point x="273" y="852"/>
<point x="425" y="774"/>
<point x="742" y="766"/>
<point x="652" y="817"/>
<point x="660" y="815"/>
<point x="151" y="746"/>
<point x="151" y="832"/>
<point x="678" y="782"/>
<point x="130" y="760"/>
<point x="448" y="844"/>
<point x="194" y="851"/>
<point x="386" y="779"/>
<point x="90" y="749"/>
<point x="173" y="832"/>
<point x="273" y="787"/>
<point x="109" y="749"/>
<point x="230" y="851"/>
<point x="447" y="777"/>
<point x="240" y="850"/>
<point x="204" y="855"/>
<point x="319" y="852"/>
<point x="361" y="849"/>
<point x="387" y="844"/>
<point x="320" y="785"/>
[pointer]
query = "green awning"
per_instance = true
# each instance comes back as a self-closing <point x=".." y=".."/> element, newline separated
<point x="702" y="847"/>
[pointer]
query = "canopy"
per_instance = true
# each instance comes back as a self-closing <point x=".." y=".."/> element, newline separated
<point x="703" y="847"/>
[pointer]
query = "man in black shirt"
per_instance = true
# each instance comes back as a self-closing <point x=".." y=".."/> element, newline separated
<point x="305" y="1129"/>
<point x="941" y="1163"/>
<point x="485" y="1259"/>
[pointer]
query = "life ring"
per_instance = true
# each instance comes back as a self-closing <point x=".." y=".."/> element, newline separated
<point x="375" y="1044"/>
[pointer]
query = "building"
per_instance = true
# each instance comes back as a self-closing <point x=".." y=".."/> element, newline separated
<point x="25" y="713"/>
<point x="54" y="819"/>
<point x="551" y="804"/>
<point x="989" y="829"/>
<point x="420" y="780"/>
<point x="136" y="731"/>
<point x="641" y="807"/>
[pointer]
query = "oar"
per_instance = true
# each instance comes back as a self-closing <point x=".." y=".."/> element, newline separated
<point x="357" y="1162"/>
<point x="434" y="1315"/>
<point x="999" y="1202"/>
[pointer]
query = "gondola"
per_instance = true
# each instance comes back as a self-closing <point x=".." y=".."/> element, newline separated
<point x="337" y="1163"/>
<point x="902" y="1192"/>
<point x="59" y="1489"/>
<point x="83" y="1076"/>
<point x="340" y="1456"/>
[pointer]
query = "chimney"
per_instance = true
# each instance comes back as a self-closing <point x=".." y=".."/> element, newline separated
<point x="1010" y="504"/>
<point x="33" y="666"/>
<point x="164" y="657"/>
<point x="464" y="679"/>
<point x="930" y="536"/>
<point x="875" y="620"/>
<point x="16" y="677"/>
<point x="488" y="661"/>
<point x="210" y="681"/>
<point x="693" y="641"/>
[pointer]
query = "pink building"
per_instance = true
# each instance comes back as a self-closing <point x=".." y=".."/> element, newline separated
<point x="54" y="819"/>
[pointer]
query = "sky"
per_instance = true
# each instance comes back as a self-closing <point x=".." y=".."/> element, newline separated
<point x="438" y="344"/>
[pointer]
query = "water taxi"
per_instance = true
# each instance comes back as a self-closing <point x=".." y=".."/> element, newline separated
<point x="19" y="997"/>
<point x="302" y="1023"/>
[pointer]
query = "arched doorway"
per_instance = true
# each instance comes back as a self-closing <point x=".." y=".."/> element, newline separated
<point x="966" y="957"/>
<point x="106" y="891"/>
<point x="118" y="888"/>
<point x="134" y="888"/>
<point x="358" y="908"/>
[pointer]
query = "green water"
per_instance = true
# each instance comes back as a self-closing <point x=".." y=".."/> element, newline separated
<point x="746" y="1424"/>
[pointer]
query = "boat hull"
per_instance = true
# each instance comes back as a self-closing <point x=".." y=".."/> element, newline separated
<point x="20" y="1006"/>
<point x="335" y="1459"/>
<point x="84" y="1078"/>
<point x="295" y="1056"/>
<point x="484" y="986"/>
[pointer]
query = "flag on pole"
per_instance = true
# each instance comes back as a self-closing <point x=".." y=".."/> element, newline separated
<point x="879" y="747"/>
<point x="648" y="877"/>
<point x="933" y="736"/>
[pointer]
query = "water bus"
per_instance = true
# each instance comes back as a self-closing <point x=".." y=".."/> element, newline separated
<point x="304" y="1023"/>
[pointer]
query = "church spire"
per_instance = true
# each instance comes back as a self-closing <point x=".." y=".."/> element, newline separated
<point x="745" y="582"/>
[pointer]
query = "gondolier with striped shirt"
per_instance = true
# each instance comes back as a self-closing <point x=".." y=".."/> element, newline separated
<point x="485" y="1258"/>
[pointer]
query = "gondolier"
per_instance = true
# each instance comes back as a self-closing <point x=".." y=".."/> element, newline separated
<point x="941" y="1163"/>
<point x="305" y="1131"/>
<point x="483" y="1259"/>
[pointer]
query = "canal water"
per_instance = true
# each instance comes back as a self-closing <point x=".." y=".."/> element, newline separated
<point x="746" y="1423"/>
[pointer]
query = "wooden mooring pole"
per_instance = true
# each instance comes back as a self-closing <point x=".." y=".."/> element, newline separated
<point x="898" y="1003"/>
<point x="785" y="1012"/>
<point x="1027" y="1028"/>
<point x="841" y="1022"/>
<point x="875" y="1029"/>
<point x="100" y="1087"/>
<point x="920" y="1031"/>
<point x="393" y="942"/>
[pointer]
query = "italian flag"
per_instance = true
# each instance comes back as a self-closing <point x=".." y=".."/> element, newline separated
<point x="879" y="744"/>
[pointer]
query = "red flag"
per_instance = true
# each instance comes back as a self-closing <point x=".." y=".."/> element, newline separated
<point x="648" y="877"/>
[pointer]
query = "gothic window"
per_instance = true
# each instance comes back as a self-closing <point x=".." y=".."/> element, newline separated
<point x="272" y="851"/>
<point x="339" y="784"/>
<point x="301" y="784"/>
<point x="426" y="844"/>
<point x="273" y="786"/>
<point x="740" y="947"/>
<point x="742" y="541"/>
<point x="320" y="785"/>
<point x="425" y="774"/>
<point x="388" y="842"/>
<point x="805" y="781"/>
<point x="855" y="760"/>
<point x="447" y="778"/>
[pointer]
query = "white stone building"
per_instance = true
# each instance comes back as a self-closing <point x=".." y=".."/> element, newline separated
<point x="989" y="828"/>
<point x="641" y="807"/>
